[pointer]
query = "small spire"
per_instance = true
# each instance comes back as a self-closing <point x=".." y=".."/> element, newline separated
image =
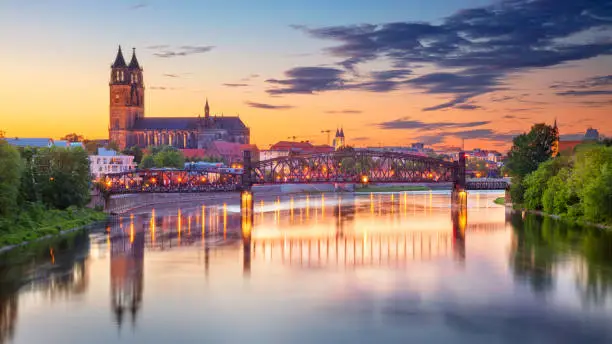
<point x="134" y="62"/>
<point x="119" y="60"/>
<point x="206" y="109"/>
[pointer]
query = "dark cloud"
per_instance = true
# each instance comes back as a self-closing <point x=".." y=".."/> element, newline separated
<point x="308" y="80"/>
<point x="584" y="93"/>
<point x="596" y="104"/>
<point x="468" y="107"/>
<point x="268" y="106"/>
<point x="361" y="138"/>
<point x="344" y="111"/>
<point x="235" y="85"/>
<point x="164" y="51"/>
<point x="588" y="83"/>
<point x="407" y="123"/>
<point x="482" y="46"/>
<point x="430" y="139"/>
<point x="139" y="6"/>
<point x="168" y="75"/>
<point x="157" y="47"/>
<point x="162" y="88"/>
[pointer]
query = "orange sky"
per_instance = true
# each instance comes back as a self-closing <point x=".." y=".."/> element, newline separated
<point x="58" y="84"/>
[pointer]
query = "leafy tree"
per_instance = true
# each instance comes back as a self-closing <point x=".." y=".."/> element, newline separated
<point x="535" y="183"/>
<point x="63" y="176"/>
<point x="73" y="137"/>
<point x="531" y="149"/>
<point x="91" y="147"/>
<point x="10" y="174"/>
<point x="147" y="162"/>
<point x="163" y="156"/>
<point x="113" y="146"/>
<point x="169" y="158"/>
<point x="136" y="152"/>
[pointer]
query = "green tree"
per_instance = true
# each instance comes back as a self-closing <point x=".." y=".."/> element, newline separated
<point x="136" y="152"/>
<point x="10" y="175"/>
<point x="73" y="137"/>
<point x="169" y="158"/>
<point x="112" y="145"/>
<point x="91" y="147"/>
<point x="531" y="149"/>
<point x="63" y="176"/>
<point x="527" y="152"/>
<point x="536" y="182"/>
<point x="147" y="162"/>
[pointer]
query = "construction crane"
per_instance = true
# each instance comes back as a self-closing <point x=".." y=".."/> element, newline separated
<point x="328" y="133"/>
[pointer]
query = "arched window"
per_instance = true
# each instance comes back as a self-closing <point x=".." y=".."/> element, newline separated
<point x="116" y="124"/>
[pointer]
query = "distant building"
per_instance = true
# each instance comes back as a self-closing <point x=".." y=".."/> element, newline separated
<point x="30" y="142"/>
<point x="109" y="161"/>
<point x="297" y="148"/>
<point x="230" y="152"/>
<point x="591" y="135"/>
<point x="339" y="141"/>
<point x="418" y="146"/>
<point x="494" y="156"/>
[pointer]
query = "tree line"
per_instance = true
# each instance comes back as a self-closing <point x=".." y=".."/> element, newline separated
<point x="41" y="178"/>
<point x="574" y="185"/>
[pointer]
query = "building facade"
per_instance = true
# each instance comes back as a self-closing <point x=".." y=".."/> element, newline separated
<point x="108" y="161"/>
<point x="129" y="127"/>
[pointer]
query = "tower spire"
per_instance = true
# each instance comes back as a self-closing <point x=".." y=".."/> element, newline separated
<point x="134" y="62"/>
<point x="206" y="109"/>
<point x="119" y="60"/>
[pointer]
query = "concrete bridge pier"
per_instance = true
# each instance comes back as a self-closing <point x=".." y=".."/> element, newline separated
<point x="459" y="220"/>
<point x="459" y="193"/>
<point x="246" y="212"/>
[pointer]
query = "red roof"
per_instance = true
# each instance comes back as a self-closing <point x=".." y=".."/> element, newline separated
<point x="568" y="146"/>
<point x="193" y="153"/>
<point x="300" y="147"/>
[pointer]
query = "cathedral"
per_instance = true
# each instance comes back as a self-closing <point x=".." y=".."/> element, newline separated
<point x="129" y="127"/>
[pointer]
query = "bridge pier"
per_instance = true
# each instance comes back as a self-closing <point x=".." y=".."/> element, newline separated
<point x="246" y="212"/>
<point x="459" y="193"/>
<point x="459" y="219"/>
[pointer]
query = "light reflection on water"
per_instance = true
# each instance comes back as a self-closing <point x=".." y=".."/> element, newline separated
<point x="314" y="268"/>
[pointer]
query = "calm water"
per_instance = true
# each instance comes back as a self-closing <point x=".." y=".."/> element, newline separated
<point x="315" y="269"/>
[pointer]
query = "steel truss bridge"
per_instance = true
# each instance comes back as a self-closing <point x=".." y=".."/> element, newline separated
<point x="335" y="167"/>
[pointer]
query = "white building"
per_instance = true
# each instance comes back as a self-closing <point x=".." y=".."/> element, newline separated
<point x="108" y="161"/>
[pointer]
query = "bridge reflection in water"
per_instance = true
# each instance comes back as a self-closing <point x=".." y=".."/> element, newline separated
<point x="309" y="231"/>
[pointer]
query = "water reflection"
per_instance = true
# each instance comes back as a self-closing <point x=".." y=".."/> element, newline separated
<point x="127" y="269"/>
<point x="391" y="264"/>
<point x="55" y="271"/>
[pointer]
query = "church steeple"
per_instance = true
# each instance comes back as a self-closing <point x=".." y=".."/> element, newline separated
<point x="119" y="60"/>
<point x="134" y="62"/>
<point x="206" y="109"/>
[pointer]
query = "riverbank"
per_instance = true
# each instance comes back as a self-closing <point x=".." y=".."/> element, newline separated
<point x="519" y="208"/>
<point x="36" y="223"/>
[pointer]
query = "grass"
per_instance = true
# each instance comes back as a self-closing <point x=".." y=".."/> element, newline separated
<point x="35" y="222"/>
<point x="500" y="201"/>
<point x="393" y="188"/>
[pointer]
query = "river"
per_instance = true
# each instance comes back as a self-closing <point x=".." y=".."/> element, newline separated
<point x="321" y="268"/>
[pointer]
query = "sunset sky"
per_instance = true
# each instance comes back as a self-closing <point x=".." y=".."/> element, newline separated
<point x="391" y="72"/>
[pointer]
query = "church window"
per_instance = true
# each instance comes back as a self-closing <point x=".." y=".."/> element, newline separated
<point x="116" y="124"/>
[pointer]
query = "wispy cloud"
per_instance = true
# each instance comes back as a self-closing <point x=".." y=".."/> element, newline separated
<point x="407" y="123"/>
<point x="268" y="106"/>
<point x="163" y="88"/>
<point x="165" y="51"/>
<point x="139" y="5"/>
<point x="347" y="111"/>
<point x="235" y="85"/>
<point x="168" y="75"/>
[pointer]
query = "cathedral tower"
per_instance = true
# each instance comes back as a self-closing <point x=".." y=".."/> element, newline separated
<point x="126" y="99"/>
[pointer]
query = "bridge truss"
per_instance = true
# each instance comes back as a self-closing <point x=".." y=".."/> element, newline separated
<point x="352" y="167"/>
